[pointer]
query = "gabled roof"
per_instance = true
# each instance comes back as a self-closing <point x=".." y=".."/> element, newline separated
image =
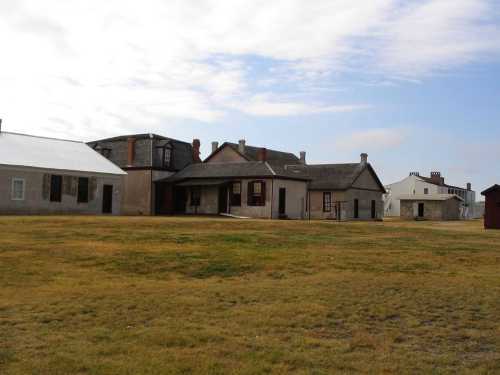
<point x="251" y="153"/>
<point x="429" y="180"/>
<point x="250" y="169"/>
<point x="23" y="150"/>
<point x="491" y="189"/>
<point x="336" y="176"/>
<point x="429" y="197"/>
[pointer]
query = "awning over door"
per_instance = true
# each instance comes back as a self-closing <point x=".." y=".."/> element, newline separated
<point x="203" y="182"/>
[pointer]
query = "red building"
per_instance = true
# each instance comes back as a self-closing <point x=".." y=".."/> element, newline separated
<point x="492" y="207"/>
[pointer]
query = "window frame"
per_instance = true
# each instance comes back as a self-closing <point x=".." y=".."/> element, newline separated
<point x="53" y="195"/>
<point x="256" y="199"/>
<point x="329" y="207"/>
<point x="12" y="192"/>
<point x="236" y="198"/>
<point x="426" y="191"/>
<point x="195" y="201"/>
<point x="78" y="192"/>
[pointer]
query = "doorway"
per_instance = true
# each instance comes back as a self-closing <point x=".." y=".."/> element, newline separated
<point x="107" y="199"/>
<point x="282" y="202"/>
<point x="374" y="209"/>
<point x="180" y="199"/>
<point x="420" y="210"/>
<point x="223" y="199"/>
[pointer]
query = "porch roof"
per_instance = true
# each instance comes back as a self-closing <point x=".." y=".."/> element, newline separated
<point x="203" y="182"/>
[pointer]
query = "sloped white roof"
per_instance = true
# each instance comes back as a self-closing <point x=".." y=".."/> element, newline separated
<point x="429" y="197"/>
<point x="39" y="152"/>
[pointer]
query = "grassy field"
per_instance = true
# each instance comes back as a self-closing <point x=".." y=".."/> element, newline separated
<point x="86" y="295"/>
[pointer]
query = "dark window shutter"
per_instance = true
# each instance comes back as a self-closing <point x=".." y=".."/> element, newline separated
<point x="250" y="193"/>
<point x="263" y="193"/>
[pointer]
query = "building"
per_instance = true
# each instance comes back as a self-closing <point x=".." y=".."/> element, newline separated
<point x="492" y="207"/>
<point x="430" y="206"/>
<point x="146" y="158"/>
<point x="249" y="181"/>
<point x="434" y="185"/>
<point x="52" y="176"/>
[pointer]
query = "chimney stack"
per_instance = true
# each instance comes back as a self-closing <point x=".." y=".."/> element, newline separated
<point x="302" y="157"/>
<point x="215" y="146"/>
<point x="262" y="154"/>
<point x="436" y="178"/>
<point x="241" y="146"/>
<point x="130" y="151"/>
<point x="469" y="186"/>
<point x="364" y="158"/>
<point x="196" y="151"/>
<point x="417" y="174"/>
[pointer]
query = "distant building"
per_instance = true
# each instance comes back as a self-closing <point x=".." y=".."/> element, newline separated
<point x="52" y="176"/>
<point x="434" y="186"/>
<point x="146" y="158"/>
<point x="492" y="207"/>
<point x="430" y="207"/>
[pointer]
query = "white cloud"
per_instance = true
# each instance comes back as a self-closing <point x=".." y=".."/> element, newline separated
<point x="123" y="64"/>
<point x="372" y="139"/>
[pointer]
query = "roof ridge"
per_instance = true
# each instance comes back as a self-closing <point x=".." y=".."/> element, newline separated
<point x="41" y="137"/>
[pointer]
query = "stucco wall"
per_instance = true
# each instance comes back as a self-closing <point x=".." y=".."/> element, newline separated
<point x="137" y="193"/>
<point x="433" y="210"/>
<point x="35" y="203"/>
<point x="316" y="205"/>
<point x="209" y="202"/>
<point x="296" y="195"/>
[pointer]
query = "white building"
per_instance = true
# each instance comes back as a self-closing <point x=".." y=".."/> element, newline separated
<point x="415" y="184"/>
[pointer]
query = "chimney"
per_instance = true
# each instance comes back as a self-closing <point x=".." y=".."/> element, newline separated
<point x="302" y="157"/>
<point x="417" y="174"/>
<point x="215" y="146"/>
<point x="436" y="178"/>
<point x="262" y="154"/>
<point x="469" y="186"/>
<point x="196" y="151"/>
<point x="130" y="151"/>
<point x="241" y="146"/>
<point x="364" y="158"/>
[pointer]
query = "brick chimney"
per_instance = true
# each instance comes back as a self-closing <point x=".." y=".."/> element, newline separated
<point x="436" y="178"/>
<point x="196" y="151"/>
<point x="302" y="157"/>
<point x="130" y="151"/>
<point x="262" y="154"/>
<point x="364" y="158"/>
<point x="241" y="146"/>
<point x="215" y="146"/>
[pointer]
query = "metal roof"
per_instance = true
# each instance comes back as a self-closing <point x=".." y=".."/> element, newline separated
<point x="24" y="150"/>
<point x="429" y="197"/>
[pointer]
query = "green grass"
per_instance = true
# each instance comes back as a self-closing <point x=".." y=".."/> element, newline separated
<point x="86" y="295"/>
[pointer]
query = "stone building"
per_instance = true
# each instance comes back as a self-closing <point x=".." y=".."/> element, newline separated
<point x="146" y="158"/>
<point x="431" y="207"/>
<point x="41" y="175"/>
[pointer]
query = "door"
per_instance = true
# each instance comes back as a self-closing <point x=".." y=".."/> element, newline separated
<point x="223" y="199"/>
<point x="374" y="209"/>
<point x="282" y="202"/>
<point x="180" y="200"/>
<point x="107" y="199"/>
<point x="420" y="210"/>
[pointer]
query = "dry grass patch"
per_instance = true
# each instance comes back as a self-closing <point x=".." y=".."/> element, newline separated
<point x="86" y="295"/>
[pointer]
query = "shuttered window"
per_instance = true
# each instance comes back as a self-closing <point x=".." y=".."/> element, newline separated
<point x="256" y="193"/>
<point x="18" y="187"/>
<point x="55" y="188"/>
<point x="83" y="190"/>
<point x="327" y="201"/>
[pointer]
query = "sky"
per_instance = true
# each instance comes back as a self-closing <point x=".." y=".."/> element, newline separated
<point x="415" y="84"/>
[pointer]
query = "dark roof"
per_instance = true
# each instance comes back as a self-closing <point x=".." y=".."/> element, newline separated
<point x="139" y="136"/>
<point x="491" y="189"/>
<point x="336" y="176"/>
<point x="252" y="153"/>
<point x="431" y="181"/>
<point x="251" y="169"/>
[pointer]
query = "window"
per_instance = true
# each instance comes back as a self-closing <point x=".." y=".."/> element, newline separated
<point x="256" y="193"/>
<point x="83" y="190"/>
<point x="236" y="194"/>
<point x="163" y="158"/>
<point x="327" y="201"/>
<point x="195" y="196"/>
<point x="18" y="187"/>
<point x="55" y="188"/>
<point x="426" y="190"/>
<point x="167" y="156"/>
<point x="356" y="209"/>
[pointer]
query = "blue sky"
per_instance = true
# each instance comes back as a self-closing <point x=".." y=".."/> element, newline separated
<point x="413" y="83"/>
